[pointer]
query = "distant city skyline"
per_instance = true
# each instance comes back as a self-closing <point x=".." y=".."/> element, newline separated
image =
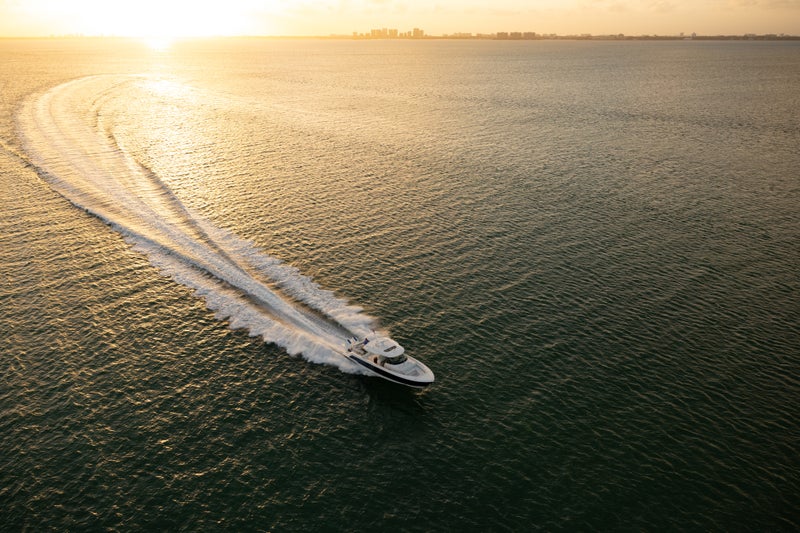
<point x="198" y="18"/>
<point x="420" y="33"/>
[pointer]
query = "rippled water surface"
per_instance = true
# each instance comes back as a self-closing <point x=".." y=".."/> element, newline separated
<point x="594" y="245"/>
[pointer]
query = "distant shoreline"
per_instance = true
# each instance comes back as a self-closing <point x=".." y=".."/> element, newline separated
<point x="553" y="37"/>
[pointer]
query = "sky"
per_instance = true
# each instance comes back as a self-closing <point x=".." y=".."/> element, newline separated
<point x="185" y="18"/>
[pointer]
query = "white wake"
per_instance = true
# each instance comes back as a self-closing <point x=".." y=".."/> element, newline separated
<point x="65" y="138"/>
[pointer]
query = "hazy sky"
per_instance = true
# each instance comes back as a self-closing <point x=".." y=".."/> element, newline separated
<point x="323" y="17"/>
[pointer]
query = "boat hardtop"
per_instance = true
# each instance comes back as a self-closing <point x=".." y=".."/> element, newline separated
<point x="386" y="358"/>
<point x="383" y="346"/>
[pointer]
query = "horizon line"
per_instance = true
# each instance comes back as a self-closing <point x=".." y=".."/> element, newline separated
<point x="362" y="36"/>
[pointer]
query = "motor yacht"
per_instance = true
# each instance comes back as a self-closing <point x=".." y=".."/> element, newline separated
<point x="384" y="357"/>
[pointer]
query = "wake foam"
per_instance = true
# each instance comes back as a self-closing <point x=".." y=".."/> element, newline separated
<point x="73" y="148"/>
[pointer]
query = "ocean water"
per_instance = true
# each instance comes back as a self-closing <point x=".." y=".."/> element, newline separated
<point x="594" y="245"/>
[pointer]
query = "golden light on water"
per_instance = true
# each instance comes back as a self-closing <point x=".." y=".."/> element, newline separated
<point x="158" y="44"/>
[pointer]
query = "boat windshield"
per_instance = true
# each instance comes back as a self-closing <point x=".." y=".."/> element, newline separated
<point x="396" y="360"/>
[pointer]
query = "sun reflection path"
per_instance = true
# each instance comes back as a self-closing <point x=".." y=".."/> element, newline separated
<point x="158" y="44"/>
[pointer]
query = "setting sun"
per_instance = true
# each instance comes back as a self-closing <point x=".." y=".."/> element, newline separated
<point x="156" y="20"/>
<point x="159" y="19"/>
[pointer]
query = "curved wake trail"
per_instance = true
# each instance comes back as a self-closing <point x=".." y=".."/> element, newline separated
<point x="66" y="137"/>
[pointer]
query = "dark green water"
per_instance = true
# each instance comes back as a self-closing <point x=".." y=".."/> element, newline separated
<point x="593" y="245"/>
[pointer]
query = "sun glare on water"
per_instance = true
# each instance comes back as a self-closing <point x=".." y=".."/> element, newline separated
<point x="159" y="44"/>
